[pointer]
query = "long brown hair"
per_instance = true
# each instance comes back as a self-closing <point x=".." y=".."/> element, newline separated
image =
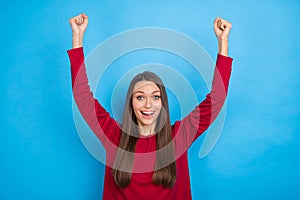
<point x="123" y="164"/>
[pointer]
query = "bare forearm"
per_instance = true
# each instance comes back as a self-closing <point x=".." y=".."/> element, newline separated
<point x="223" y="47"/>
<point x="77" y="39"/>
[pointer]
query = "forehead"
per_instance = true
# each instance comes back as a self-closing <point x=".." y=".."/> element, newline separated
<point x="145" y="86"/>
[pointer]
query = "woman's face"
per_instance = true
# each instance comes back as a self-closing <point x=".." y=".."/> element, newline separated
<point x="146" y="102"/>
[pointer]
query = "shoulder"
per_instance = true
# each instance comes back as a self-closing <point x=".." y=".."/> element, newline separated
<point x="175" y="128"/>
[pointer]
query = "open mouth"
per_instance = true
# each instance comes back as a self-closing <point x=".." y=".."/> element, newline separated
<point x="147" y="113"/>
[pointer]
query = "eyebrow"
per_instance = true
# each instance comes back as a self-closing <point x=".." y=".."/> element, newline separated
<point x="143" y="92"/>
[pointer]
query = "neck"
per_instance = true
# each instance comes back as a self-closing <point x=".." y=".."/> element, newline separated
<point x="147" y="130"/>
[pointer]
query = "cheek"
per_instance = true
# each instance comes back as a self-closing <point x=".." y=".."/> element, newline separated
<point x="136" y="106"/>
<point x="157" y="105"/>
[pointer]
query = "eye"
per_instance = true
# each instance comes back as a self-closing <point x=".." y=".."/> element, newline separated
<point x="156" y="97"/>
<point x="139" y="98"/>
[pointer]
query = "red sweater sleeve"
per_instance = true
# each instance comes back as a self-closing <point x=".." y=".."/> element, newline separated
<point x="98" y="119"/>
<point x="193" y="125"/>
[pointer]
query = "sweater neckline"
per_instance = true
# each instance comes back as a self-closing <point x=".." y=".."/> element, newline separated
<point x="147" y="137"/>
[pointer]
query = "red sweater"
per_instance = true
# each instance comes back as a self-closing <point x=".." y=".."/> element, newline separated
<point x="184" y="132"/>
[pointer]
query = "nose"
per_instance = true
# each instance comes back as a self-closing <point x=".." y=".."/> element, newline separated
<point x="148" y="103"/>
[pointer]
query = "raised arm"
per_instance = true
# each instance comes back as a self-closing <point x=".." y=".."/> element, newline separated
<point x="193" y="125"/>
<point x="94" y="114"/>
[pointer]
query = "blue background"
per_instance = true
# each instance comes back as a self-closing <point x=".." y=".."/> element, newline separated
<point x="256" y="157"/>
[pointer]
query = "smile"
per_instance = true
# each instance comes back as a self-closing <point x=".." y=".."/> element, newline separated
<point x="147" y="113"/>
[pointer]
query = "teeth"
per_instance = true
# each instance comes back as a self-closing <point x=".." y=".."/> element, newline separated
<point x="147" y="113"/>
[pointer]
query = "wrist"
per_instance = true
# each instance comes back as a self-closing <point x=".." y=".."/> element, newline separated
<point x="223" y="47"/>
<point x="77" y="39"/>
<point x="223" y="41"/>
<point x="77" y="35"/>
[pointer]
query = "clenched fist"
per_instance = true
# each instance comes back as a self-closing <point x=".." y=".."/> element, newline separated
<point x="78" y="24"/>
<point x="222" y="29"/>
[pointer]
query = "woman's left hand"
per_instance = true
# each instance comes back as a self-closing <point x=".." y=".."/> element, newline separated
<point x="222" y="28"/>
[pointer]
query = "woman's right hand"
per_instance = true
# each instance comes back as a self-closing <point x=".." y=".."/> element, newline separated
<point x="78" y="24"/>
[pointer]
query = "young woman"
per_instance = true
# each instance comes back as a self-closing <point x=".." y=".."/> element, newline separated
<point x="146" y="156"/>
